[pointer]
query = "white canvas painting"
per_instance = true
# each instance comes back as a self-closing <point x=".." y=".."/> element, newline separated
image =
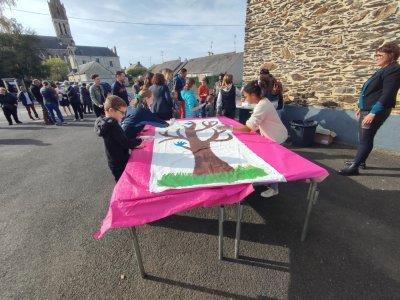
<point x="198" y="154"/>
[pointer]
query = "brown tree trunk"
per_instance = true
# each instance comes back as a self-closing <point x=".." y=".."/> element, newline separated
<point x="206" y="162"/>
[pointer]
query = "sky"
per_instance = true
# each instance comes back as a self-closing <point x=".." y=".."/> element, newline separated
<point x="145" y="43"/>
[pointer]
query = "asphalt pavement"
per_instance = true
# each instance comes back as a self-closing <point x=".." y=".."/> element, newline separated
<point x="55" y="190"/>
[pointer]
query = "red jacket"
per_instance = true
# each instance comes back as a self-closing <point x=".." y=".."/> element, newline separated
<point x="203" y="89"/>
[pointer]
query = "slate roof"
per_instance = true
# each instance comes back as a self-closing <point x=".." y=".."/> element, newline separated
<point x="52" y="42"/>
<point x="92" y="67"/>
<point x="214" y="64"/>
<point x="93" y="51"/>
<point x="174" y="65"/>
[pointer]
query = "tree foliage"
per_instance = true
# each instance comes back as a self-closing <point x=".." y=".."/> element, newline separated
<point x="20" y="53"/>
<point x="58" y="68"/>
<point x="5" y="23"/>
<point x="133" y="73"/>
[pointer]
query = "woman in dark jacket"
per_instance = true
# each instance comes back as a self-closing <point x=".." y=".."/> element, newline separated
<point x="162" y="102"/>
<point x="85" y="99"/>
<point x="226" y="101"/>
<point x="377" y="98"/>
<point x="9" y="105"/>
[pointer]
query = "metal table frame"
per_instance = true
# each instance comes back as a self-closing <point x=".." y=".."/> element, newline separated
<point x="312" y="197"/>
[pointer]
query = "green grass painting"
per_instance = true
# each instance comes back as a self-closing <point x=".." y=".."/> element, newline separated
<point x="188" y="179"/>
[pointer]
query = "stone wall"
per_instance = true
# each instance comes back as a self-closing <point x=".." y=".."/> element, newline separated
<point x="323" y="51"/>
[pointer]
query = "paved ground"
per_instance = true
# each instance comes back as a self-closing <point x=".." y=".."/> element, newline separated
<point x="55" y="189"/>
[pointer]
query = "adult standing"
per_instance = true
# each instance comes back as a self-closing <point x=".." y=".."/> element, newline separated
<point x="97" y="95"/>
<point x="50" y="100"/>
<point x="377" y="98"/>
<point x="169" y="81"/>
<point x="9" y="104"/>
<point x="118" y="88"/>
<point x="85" y="99"/>
<point x="217" y="88"/>
<point x="63" y="98"/>
<point x="35" y="90"/>
<point x="26" y="99"/>
<point x="74" y="100"/>
<point x="226" y="101"/>
<point x="179" y="84"/>
<point x="162" y="102"/>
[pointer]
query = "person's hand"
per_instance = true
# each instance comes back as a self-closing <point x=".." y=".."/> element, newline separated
<point x="368" y="119"/>
<point x="224" y="127"/>
<point x="141" y="146"/>
<point x="203" y="104"/>
<point x="16" y="105"/>
<point x="101" y="106"/>
<point x="171" y="121"/>
<point x="357" y="112"/>
<point x="147" y="138"/>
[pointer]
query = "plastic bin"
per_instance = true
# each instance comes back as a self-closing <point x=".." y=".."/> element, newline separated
<point x="302" y="132"/>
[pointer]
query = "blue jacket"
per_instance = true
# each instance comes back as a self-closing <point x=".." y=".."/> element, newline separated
<point x="119" y="90"/>
<point x="190" y="103"/>
<point x="22" y="98"/>
<point x="137" y="118"/>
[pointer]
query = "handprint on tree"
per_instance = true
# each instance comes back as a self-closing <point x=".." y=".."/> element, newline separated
<point x="206" y="162"/>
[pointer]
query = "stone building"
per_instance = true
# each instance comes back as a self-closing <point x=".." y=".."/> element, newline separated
<point x="323" y="51"/>
<point x="63" y="46"/>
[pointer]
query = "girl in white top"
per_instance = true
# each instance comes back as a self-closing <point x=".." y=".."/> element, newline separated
<point x="264" y="118"/>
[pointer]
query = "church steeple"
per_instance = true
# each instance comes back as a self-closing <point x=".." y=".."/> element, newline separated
<point x="60" y="22"/>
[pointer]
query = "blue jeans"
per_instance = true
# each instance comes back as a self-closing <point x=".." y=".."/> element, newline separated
<point x="51" y="107"/>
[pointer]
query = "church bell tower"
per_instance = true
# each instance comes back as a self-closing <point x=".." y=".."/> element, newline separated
<point x="60" y="22"/>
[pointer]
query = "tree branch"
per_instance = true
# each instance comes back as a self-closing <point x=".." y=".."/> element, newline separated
<point x="215" y="135"/>
<point x="228" y="138"/>
<point x="170" y="137"/>
<point x="207" y="125"/>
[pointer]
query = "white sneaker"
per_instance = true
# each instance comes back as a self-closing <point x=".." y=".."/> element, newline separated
<point x="75" y="120"/>
<point x="82" y="120"/>
<point x="269" y="193"/>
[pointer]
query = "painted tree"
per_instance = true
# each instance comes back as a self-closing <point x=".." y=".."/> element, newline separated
<point x="205" y="161"/>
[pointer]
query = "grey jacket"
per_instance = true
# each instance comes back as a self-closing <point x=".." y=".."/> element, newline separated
<point x="97" y="95"/>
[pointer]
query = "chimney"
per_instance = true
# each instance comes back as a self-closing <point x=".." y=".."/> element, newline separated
<point x="115" y="50"/>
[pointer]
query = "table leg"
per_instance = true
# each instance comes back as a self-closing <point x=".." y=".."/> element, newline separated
<point x="238" y="228"/>
<point x="135" y="243"/>
<point x="221" y="233"/>
<point x="312" y="199"/>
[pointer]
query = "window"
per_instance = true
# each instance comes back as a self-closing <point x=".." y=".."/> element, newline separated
<point x="59" y="24"/>
<point x="65" y="30"/>
<point x="111" y="64"/>
<point x="83" y="61"/>
<point x="98" y="60"/>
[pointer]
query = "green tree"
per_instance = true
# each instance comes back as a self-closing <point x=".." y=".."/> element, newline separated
<point x="58" y="69"/>
<point x="20" y="53"/>
<point x="134" y="72"/>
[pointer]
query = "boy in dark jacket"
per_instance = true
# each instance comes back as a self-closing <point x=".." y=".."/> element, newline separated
<point x="116" y="143"/>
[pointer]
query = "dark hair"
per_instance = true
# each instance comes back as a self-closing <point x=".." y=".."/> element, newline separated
<point x="119" y="73"/>
<point x="94" y="76"/>
<point x="84" y="84"/>
<point x="253" y="88"/>
<point x="114" y="102"/>
<point x="183" y="70"/>
<point x="189" y="83"/>
<point x="45" y="83"/>
<point x="205" y="79"/>
<point x="264" y="71"/>
<point x="391" y="48"/>
<point x="158" y="79"/>
<point x="147" y="80"/>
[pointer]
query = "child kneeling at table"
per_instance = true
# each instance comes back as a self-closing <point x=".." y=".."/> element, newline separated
<point x="116" y="143"/>
<point x="137" y="117"/>
<point x="264" y="118"/>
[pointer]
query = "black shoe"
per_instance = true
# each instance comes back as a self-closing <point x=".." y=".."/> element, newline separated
<point x="350" y="170"/>
<point x="10" y="124"/>
<point x="350" y="162"/>
<point x="18" y="122"/>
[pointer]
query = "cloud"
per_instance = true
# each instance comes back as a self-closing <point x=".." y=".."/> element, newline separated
<point x="138" y="42"/>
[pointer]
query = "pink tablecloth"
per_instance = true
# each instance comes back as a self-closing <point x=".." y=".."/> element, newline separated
<point x="132" y="204"/>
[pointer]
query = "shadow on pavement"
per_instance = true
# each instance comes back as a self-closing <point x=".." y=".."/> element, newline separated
<point x="23" y="142"/>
